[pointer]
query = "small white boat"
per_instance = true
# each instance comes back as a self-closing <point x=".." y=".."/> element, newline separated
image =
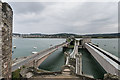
<point x="35" y="47"/>
<point x="14" y="47"/>
<point x="34" y="52"/>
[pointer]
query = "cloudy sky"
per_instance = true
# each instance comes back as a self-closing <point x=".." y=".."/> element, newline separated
<point x="65" y="17"/>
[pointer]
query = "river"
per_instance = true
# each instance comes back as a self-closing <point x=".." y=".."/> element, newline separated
<point x="25" y="47"/>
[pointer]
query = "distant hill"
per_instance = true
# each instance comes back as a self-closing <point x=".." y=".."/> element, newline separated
<point x="66" y="35"/>
<point x="15" y="34"/>
<point x="104" y="35"/>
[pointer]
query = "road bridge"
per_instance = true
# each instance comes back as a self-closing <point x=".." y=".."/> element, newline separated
<point x="38" y="58"/>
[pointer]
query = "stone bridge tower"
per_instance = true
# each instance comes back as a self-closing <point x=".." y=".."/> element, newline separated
<point x="6" y="17"/>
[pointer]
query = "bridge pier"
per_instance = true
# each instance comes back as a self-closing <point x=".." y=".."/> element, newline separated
<point x="83" y="41"/>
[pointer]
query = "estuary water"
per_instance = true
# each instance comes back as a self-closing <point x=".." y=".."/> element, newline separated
<point x="25" y="47"/>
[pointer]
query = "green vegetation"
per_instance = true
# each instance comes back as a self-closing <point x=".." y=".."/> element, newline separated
<point x="72" y="42"/>
<point x="16" y="74"/>
<point x="68" y="39"/>
<point x="23" y="66"/>
<point x="71" y="46"/>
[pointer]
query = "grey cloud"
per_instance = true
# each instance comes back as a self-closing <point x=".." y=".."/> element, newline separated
<point x="89" y="17"/>
<point x="26" y="7"/>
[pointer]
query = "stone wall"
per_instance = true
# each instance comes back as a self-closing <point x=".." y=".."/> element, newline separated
<point x="0" y="40"/>
<point x="86" y="40"/>
<point x="6" y="17"/>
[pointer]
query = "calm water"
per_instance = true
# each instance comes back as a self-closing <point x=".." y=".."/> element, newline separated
<point x="90" y="66"/>
<point x="25" y="45"/>
<point x="56" y="59"/>
<point x="54" y="62"/>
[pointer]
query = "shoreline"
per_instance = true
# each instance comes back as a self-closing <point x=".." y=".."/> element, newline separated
<point x="66" y="37"/>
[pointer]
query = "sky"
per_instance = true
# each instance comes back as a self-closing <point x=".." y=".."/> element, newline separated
<point x="65" y="17"/>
